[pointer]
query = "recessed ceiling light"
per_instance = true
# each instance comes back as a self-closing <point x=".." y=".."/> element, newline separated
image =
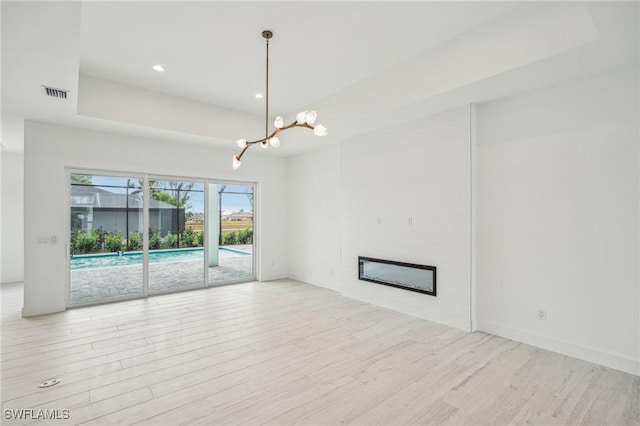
<point x="158" y="68"/>
<point x="259" y="96"/>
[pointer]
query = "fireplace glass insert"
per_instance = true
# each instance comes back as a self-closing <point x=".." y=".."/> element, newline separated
<point x="408" y="276"/>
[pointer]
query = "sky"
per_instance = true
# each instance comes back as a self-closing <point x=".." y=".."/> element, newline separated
<point x="231" y="200"/>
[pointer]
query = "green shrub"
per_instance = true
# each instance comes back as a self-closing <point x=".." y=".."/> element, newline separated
<point x="113" y="242"/>
<point x="245" y="236"/>
<point x="135" y="241"/>
<point x="186" y="239"/>
<point x="154" y="241"/>
<point x="191" y="238"/>
<point x="86" y="241"/>
<point x="196" y="240"/>
<point x="101" y="236"/>
<point x="169" y="241"/>
<point x="230" y="239"/>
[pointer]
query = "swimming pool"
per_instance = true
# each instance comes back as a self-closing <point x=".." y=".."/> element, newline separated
<point x="84" y="261"/>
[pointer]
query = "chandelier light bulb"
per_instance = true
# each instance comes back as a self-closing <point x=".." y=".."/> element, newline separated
<point x="264" y="144"/>
<point x="301" y="118"/>
<point x="279" y="122"/>
<point x="236" y="162"/>
<point x="242" y="143"/>
<point x="320" y="130"/>
<point x="311" y="117"/>
<point x="275" y="142"/>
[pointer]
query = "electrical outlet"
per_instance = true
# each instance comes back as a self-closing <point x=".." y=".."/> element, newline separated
<point x="542" y="314"/>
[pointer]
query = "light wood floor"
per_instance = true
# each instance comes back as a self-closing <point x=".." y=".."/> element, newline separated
<point x="283" y="353"/>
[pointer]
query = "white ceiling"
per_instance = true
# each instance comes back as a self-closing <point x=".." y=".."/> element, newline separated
<point x="214" y="51"/>
<point x="362" y="65"/>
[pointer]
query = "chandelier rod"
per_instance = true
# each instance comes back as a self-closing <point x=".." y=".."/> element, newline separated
<point x="267" y="35"/>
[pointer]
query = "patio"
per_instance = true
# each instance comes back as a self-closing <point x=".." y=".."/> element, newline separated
<point x="98" y="284"/>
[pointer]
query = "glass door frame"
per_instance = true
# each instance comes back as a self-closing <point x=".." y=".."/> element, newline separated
<point x="254" y="245"/>
<point x="158" y="177"/>
<point x="146" y="177"/>
<point x="100" y="172"/>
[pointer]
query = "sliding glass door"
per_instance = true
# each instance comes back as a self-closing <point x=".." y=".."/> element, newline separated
<point x="137" y="235"/>
<point x="176" y="235"/>
<point x="231" y="236"/>
<point x="105" y="242"/>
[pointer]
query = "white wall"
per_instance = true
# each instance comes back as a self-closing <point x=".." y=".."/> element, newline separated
<point x="314" y="217"/>
<point x="420" y="170"/>
<point x="49" y="149"/>
<point x="558" y="192"/>
<point x="1" y="203"/>
<point x="129" y="104"/>
<point x="12" y="226"/>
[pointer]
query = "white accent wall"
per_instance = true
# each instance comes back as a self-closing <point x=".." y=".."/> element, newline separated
<point x="419" y="170"/>
<point x="558" y="192"/>
<point x="50" y="149"/>
<point x="12" y="225"/>
<point x="368" y="191"/>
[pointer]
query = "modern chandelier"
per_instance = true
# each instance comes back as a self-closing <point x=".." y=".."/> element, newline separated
<point x="303" y="119"/>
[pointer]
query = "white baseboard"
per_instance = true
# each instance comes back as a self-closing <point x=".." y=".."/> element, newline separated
<point x="42" y="310"/>
<point x="586" y="353"/>
<point x="272" y="276"/>
<point x="316" y="282"/>
<point x="13" y="279"/>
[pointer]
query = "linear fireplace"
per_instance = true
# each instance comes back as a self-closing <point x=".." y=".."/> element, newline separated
<point x="408" y="276"/>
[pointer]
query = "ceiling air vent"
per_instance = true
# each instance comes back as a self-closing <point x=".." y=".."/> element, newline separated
<point x="53" y="92"/>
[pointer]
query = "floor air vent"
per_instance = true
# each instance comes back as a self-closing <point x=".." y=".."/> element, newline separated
<point x="55" y="93"/>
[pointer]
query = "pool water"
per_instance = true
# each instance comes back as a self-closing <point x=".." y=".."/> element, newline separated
<point x="158" y="256"/>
